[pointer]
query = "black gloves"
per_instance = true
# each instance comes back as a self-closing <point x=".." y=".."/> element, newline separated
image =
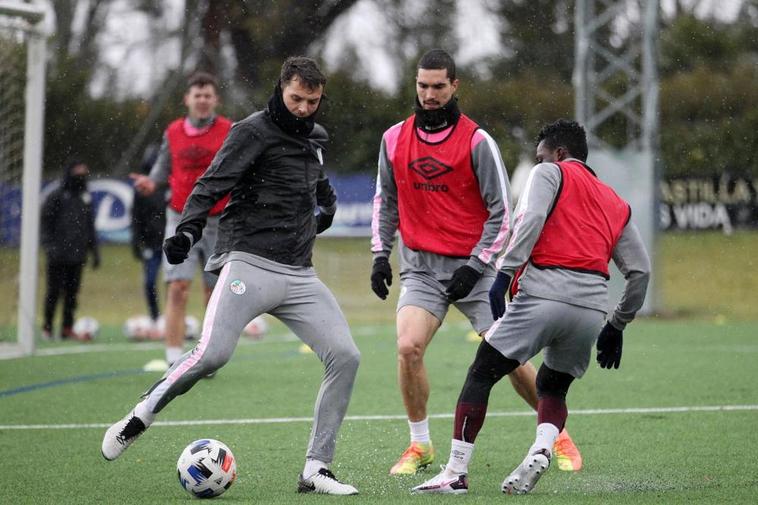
<point x="609" y="344"/>
<point x="497" y="294"/>
<point x="462" y="283"/>
<point x="381" y="273"/>
<point x="177" y="248"/>
<point x="323" y="222"/>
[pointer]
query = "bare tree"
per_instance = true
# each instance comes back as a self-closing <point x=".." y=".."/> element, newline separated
<point x="264" y="32"/>
<point x="191" y="29"/>
<point x="67" y="46"/>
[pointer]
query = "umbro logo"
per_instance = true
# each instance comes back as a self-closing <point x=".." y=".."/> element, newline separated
<point x="429" y="168"/>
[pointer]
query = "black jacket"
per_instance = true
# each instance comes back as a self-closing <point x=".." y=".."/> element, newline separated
<point x="276" y="181"/>
<point x="148" y="222"/>
<point x="68" y="223"/>
<point x="148" y="213"/>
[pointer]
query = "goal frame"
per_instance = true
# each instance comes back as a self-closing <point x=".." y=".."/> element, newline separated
<point x="34" y="108"/>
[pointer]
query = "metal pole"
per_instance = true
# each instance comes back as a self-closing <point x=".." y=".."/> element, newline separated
<point x="650" y="139"/>
<point x="581" y="55"/>
<point x="30" y="214"/>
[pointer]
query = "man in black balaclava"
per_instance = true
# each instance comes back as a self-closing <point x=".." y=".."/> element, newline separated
<point x="68" y="235"/>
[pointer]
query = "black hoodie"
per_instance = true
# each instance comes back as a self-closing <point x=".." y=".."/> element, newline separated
<point x="68" y="220"/>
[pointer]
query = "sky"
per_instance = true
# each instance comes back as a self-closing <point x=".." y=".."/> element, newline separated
<point x="141" y="65"/>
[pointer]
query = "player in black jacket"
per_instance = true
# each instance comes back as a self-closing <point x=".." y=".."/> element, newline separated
<point x="67" y="236"/>
<point x="272" y="163"/>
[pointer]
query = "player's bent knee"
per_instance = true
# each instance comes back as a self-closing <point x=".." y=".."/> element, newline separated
<point x="179" y="285"/>
<point x="178" y="291"/>
<point x="408" y="350"/>
<point x="211" y="362"/>
<point x="349" y="358"/>
<point x="342" y="363"/>
<point x="552" y="382"/>
<point x="489" y="364"/>
<point x="488" y="368"/>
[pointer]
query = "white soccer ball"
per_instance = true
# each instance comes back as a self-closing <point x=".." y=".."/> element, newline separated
<point x="191" y="328"/>
<point x="86" y="328"/>
<point x="256" y="328"/>
<point x="206" y="468"/>
<point x="138" y="327"/>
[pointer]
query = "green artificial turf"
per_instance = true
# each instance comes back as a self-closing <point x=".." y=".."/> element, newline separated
<point x="641" y="429"/>
<point x="651" y="432"/>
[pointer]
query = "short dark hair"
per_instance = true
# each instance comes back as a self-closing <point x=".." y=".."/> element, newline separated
<point x="72" y="161"/>
<point x="306" y="69"/>
<point x="567" y="134"/>
<point x="202" y="79"/>
<point x="438" y="59"/>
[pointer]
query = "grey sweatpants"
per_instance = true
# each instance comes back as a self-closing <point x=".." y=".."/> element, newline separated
<point x="307" y="307"/>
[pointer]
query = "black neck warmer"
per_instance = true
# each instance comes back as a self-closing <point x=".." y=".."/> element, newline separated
<point x="75" y="183"/>
<point x="432" y="121"/>
<point x="286" y="120"/>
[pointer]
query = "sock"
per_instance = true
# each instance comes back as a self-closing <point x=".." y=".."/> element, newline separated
<point x="552" y="409"/>
<point x="143" y="412"/>
<point x="312" y="466"/>
<point x="469" y="418"/>
<point x="460" y="455"/>
<point x="420" y="431"/>
<point x="173" y="354"/>
<point x="545" y="439"/>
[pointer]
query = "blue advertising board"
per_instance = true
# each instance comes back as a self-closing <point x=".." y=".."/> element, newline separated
<point x="112" y="199"/>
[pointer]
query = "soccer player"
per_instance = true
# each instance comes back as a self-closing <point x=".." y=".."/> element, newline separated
<point x="443" y="183"/>
<point x="189" y="144"/>
<point x="568" y="226"/>
<point x="272" y="163"/>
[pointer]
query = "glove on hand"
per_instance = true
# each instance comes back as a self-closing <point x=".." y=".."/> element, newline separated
<point x="323" y="222"/>
<point x="177" y="248"/>
<point x="497" y="294"/>
<point x="609" y="344"/>
<point x="463" y="281"/>
<point x="381" y="273"/>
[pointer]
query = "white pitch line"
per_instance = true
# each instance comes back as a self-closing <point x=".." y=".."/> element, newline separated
<point x="396" y="417"/>
<point x="276" y="338"/>
<point x="145" y="346"/>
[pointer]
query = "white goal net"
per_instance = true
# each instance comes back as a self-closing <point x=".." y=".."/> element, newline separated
<point x="22" y="77"/>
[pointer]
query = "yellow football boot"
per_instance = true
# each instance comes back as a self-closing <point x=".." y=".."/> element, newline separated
<point x="417" y="456"/>
<point x="566" y="454"/>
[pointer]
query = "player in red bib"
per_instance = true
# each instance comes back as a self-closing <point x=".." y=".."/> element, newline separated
<point x="568" y="226"/>
<point x="441" y="183"/>
<point x="188" y="147"/>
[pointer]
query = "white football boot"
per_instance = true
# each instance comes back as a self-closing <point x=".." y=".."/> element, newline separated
<point x="324" y="482"/>
<point x="445" y="482"/>
<point x="523" y="479"/>
<point x="121" y="435"/>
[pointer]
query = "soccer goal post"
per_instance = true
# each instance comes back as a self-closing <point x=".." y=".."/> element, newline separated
<point x="22" y="97"/>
